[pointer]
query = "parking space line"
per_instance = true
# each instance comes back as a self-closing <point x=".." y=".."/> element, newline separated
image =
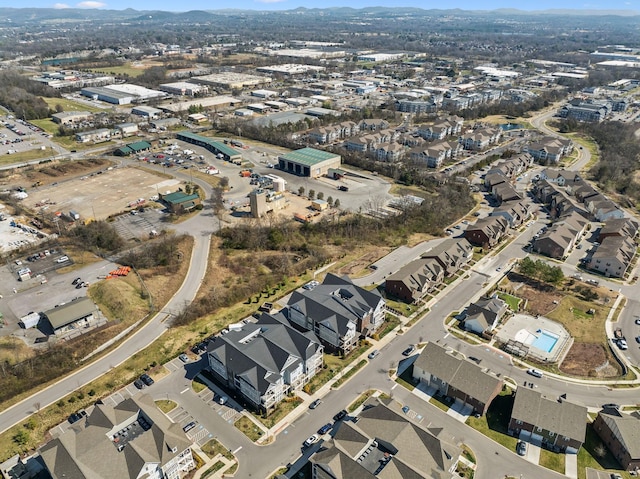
<point x="184" y="391"/>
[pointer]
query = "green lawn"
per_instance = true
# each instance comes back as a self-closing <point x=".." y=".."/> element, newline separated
<point x="197" y="385"/>
<point x="362" y="363"/>
<point x="212" y="470"/>
<point x="496" y="422"/>
<point x="583" y="327"/>
<point x="594" y="454"/>
<point x="406" y="378"/>
<point x="125" y="69"/>
<point x="437" y="402"/>
<point x="361" y="399"/>
<point x="248" y="428"/>
<point x="333" y="365"/>
<point x="512" y="301"/>
<point x="23" y="156"/>
<point x="389" y="325"/>
<point x="70" y="105"/>
<point x="283" y="408"/>
<point x="552" y="460"/>
<point x="213" y="447"/>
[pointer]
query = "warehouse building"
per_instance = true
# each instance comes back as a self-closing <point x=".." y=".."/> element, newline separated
<point x="146" y="111"/>
<point x="70" y="117"/>
<point x="110" y="96"/>
<point x="231" y="80"/>
<point x="309" y="162"/>
<point x="183" y="88"/>
<point x="75" y="314"/>
<point x="215" y="147"/>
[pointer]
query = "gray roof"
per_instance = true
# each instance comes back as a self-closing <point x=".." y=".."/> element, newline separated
<point x="626" y="428"/>
<point x="459" y="373"/>
<point x="417" y="274"/>
<point x="87" y="452"/>
<point x="335" y="303"/>
<point x="70" y="312"/>
<point x="261" y="352"/>
<point x="451" y="251"/>
<point x="415" y="452"/>
<point x="564" y="418"/>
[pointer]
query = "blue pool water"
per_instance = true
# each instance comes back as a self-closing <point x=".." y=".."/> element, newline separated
<point x="545" y="341"/>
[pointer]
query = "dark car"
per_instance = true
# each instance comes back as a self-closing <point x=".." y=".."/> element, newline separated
<point x="188" y="427"/>
<point x="343" y="188"/>
<point x="325" y="429"/>
<point x="145" y="378"/>
<point x="340" y="415"/>
<point x="409" y="351"/>
<point x="610" y="406"/>
<point x="474" y="359"/>
<point x="315" y="404"/>
<point x="521" y="448"/>
<point x="76" y="281"/>
<point x="139" y="384"/>
<point x="75" y="417"/>
<point x="79" y="285"/>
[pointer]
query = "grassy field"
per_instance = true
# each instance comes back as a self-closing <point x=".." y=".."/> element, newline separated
<point x="197" y="385"/>
<point x="13" y="350"/>
<point x="67" y="142"/>
<point x="594" y="454"/>
<point x="126" y="69"/>
<point x="586" y="328"/>
<point x="213" y="447"/>
<point x="283" y="408"/>
<point x="22" y="156"/>
<point x="70" y="105"/>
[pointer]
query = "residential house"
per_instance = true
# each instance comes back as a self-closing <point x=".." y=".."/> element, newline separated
<point x="545" y="191"/>
<point x="480" y="139"/>
<point x="549" y="150"/>
<point x="390" y="152"/>
<point x="559" y="177"/>
<point x="337" y="311"/>
<point x="516" y="212"/>
<point x="484" y="315"/>
<point x="324" y="135"/>
<point x="503" y="192"/>
<point x="626" y="227"/>
<point x="266" y="360"/>
<point x="591" y="111"/>
<point x="494" y="178"/>
<point x="130" y="440"/>
<point x="487" y="232"/>
<point x="385" y="444"/>
<point x="460" y="379"/>
<point x="613" y="257"/>
<point x="561" y="237"/>
<point x="414" y="280"/>
<point x="620" y="432"/>
<point x="558" y="425"/>
<point x="374" y="124"/>
<point x="452" y="254"/>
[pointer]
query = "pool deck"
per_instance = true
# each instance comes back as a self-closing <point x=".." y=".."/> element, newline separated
<point x="513" y="330"/>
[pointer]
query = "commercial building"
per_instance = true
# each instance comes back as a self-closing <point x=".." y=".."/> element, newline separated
<point x="70" y="117"/>
<point x="309" y="162"/>
<point x="71" y="315"/>
<point x="133" y="148"/>
<point x="183" y="88"/>
<point x="146" y="111"/>
<point x="131" y="440"/>
<point x="180" y="202"/>
<point x="215" y="147"/>
<point x="231" y="80"/>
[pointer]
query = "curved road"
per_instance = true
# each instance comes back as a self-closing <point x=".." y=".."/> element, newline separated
<point x="141" y="338"/>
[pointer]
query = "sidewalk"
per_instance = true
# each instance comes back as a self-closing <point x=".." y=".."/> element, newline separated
<point x="209" y="462"/>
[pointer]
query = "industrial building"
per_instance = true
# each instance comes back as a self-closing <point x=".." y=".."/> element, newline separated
<point x="121" y="94"/>
<point x="309" y="162"/>
<point x="146" y="111"/>
<point x="231" y="80"/>
<point x="183" y="88"/>
<point x="213" y="146"/>
<point x="70" y="117"/>
<point x="72" y="315"/>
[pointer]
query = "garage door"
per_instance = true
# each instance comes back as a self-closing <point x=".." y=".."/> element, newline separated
<point x="525" y="435"/>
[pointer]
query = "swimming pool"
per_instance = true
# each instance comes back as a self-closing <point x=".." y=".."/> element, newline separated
<point x="545" y="340"/>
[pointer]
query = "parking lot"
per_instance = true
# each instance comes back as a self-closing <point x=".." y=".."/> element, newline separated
<point x="30" y="139"/>
<point x="140" y="225"/>
<point x="100" y="194"/>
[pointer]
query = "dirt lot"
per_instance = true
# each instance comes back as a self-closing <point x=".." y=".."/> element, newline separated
<point x="539" y="301"/>
<point x="50" y="172"/>
<point x="589" y="359"/>
<point x="361" y="264"/>
<point x="100" y="195"/>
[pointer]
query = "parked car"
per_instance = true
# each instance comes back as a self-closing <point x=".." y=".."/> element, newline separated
<point x="343" y="188"/>
<point x="325" y="429"/>
<point x="189" y="426"/>
<point x="409" y="351"/>
<point x="622" y="344"/>
<point x="62" y="259"/>
<point x="138" y="384"/>
<point x="521" y="448"/>
<point x="474" y="359"/>
<point x="637" y="339"/>
<point x="340" y="415"/>
<point x="146" y="379"/>
<point x="637" y="321"/>
<point x="76" y="281"/>
<point x="610" y="405"/>
<point x="315" y="404"/>
<point x="311" y="440"/>
<point x="76" y="416"/>
<point x="184" y="358"/>
<point x="535" y="372"/>
<point x="223" y="400"/>
<point x="406" y="409"/>
<point x="79" y="285"/>
<point x="373" y="354"/>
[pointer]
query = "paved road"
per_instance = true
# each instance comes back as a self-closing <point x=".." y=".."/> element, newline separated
<point x="201" y="231"/>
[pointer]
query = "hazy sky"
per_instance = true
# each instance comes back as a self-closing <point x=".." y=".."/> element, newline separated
<point x="291" y="4"/>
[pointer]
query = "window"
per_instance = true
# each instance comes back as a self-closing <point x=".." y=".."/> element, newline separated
<point x="538" y="429"/>
<point x="518" y="422"/>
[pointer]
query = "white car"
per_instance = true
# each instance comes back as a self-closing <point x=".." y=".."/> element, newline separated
<point x="62" y="259"/>
<point x="312" y="440"/>
<point x="534" y="372"/>
<point x="622" y="344"/>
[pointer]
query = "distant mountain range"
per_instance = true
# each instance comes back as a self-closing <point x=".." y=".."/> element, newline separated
<point x="36" y="15"/>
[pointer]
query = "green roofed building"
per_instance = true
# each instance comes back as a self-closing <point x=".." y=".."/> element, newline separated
<point x="180" y="202"/>
<point x="309" y="162"/>
<point x="136" y="147"/>
<point x="215" y="147"/>
<point x="71" y="315"/>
